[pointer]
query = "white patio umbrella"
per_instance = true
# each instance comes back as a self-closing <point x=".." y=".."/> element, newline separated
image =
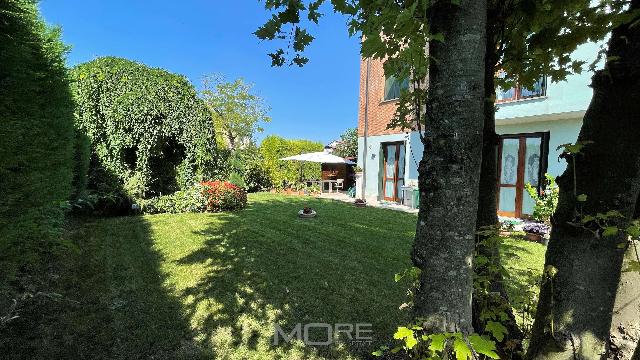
<point x="320" y="157"/>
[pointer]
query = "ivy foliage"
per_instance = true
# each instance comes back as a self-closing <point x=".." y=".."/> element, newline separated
<point x="36" y="138"/>
<point x="281" y="173"/>
<point x="148" y="128"/>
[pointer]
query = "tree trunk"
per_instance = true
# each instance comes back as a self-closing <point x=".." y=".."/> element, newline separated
<point x="625" y="325"/>
<point x="488" y="212"/>
<point x="450" y="168"/>
<point x="575" y="309"/>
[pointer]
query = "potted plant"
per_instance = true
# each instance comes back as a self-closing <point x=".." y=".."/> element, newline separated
<point x="360" y="203"/>
<point x="536" y="231"/>
<point x="307" y="213"/>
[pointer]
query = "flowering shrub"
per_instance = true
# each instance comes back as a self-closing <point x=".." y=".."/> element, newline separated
<point x="206" y="196"/>
<point x="536" y="228"/>
<point x="223" y="195"/>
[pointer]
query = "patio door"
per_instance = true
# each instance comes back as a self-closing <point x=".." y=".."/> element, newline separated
<point x="393" y="170"/>
<point x="522" y="160"/>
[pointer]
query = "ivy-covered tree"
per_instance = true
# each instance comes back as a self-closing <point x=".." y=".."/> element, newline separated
<point x="348" y="145"/>
<point x="148" y="128"/>
<point x="237" y="113"/>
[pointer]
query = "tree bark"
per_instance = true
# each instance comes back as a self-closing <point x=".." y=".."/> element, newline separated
<point x="575" y="309"/>
<point x="625" y="325"/>
<point x="487" y="207"/>
<point x="450" y="168"/>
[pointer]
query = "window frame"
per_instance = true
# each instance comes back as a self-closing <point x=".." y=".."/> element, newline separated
<point x="519" y="185"/>
<point x="400" y="88"/>
<point x="517" y="92"/>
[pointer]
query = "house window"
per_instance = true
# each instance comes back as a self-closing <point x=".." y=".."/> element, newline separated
<point x="519" y="93"/>
<point x="523" y="160"/>
<point x="393" y="87"/>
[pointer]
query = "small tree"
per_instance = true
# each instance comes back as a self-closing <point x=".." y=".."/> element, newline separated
<point x="237" y="113"/>
<point x="348" y="146"/>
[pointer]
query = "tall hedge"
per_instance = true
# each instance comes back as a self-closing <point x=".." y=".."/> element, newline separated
<point x="149" y="130"/>
<point x="273" y="148"/>
<point x="36" y="137"/>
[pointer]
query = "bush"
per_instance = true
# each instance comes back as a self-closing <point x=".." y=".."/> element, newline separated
<point x="222" y="195"/>
<point x="148" y="128"/>
<point x="273" y="148"/>
<point x="192" y="199"/>
<point x="546" y="200"/>
<point x="36" y="139"/>
<point x="210" y="196"/>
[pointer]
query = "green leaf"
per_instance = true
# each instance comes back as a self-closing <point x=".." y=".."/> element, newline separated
<point x="497" y="330"/>
<point x="581" y="198"/>
<point x="610" y="231"/>
<point x="461" y="349"/>
<point x="437" y="342"/>
<point x="484" y="346"/>
<point x="406" y="334"/>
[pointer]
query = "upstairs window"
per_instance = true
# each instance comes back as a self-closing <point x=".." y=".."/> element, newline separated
<point x="518" y="92"/>
<point x="393" y="87"/>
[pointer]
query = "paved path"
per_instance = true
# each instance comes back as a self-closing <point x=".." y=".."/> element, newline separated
<point x="341" y="196"/>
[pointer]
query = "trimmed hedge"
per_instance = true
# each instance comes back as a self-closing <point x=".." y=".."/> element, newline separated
<point x="37" y="138"/>
<point x="149" y="130"/>
<point x="273" y="148"/>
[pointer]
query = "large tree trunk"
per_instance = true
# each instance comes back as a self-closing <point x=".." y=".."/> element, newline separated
<point x="487" y="211"/>
<point x="625" y="325"/>
<point x="450" y="168"/>
<point x="575" y="308"/>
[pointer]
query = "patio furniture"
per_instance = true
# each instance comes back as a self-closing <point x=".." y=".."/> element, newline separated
<point x="330" y="182"/>
<point x="339" y="184"/>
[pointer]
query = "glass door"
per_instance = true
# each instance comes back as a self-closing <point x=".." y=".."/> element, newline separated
<point x="393" y="172"/>
<point x="522" y="161"/>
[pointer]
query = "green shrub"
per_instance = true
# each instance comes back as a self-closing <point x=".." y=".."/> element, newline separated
<point x="273" y="148"/>
<point x="36" y="139"/>
<point x="546" y="200"/>
<point x="237" y="180"/>
<point x="81" y="159"/>
<point x="148" y="128"/>
<point x="192" y="199"/>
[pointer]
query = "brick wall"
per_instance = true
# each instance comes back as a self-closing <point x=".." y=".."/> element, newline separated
<point x="380" y="112"/>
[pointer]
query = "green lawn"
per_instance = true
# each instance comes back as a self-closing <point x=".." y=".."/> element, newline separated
<point x="212" y="285"/>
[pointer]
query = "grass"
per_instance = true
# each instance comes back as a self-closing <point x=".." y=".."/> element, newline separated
<point x="212" y="285"/>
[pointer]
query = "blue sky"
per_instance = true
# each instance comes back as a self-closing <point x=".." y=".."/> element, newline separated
<point x="198" y="37"/>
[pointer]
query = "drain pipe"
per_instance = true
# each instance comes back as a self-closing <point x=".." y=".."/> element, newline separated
<point x="366" y="130"/>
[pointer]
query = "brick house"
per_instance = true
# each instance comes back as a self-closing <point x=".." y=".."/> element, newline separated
<point x="532" y="124"/>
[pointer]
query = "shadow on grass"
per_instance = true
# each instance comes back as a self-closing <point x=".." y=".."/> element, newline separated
<point x="114" y="303"/>
<point x="264" y="266"/>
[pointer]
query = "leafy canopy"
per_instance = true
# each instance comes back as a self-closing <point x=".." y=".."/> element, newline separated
<point x="530" y="38"/>
<point x="237" y="113"/>
<point x="348" y="145"/>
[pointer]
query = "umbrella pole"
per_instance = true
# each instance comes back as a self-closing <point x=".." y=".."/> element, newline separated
<point x="301" y="165"/>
